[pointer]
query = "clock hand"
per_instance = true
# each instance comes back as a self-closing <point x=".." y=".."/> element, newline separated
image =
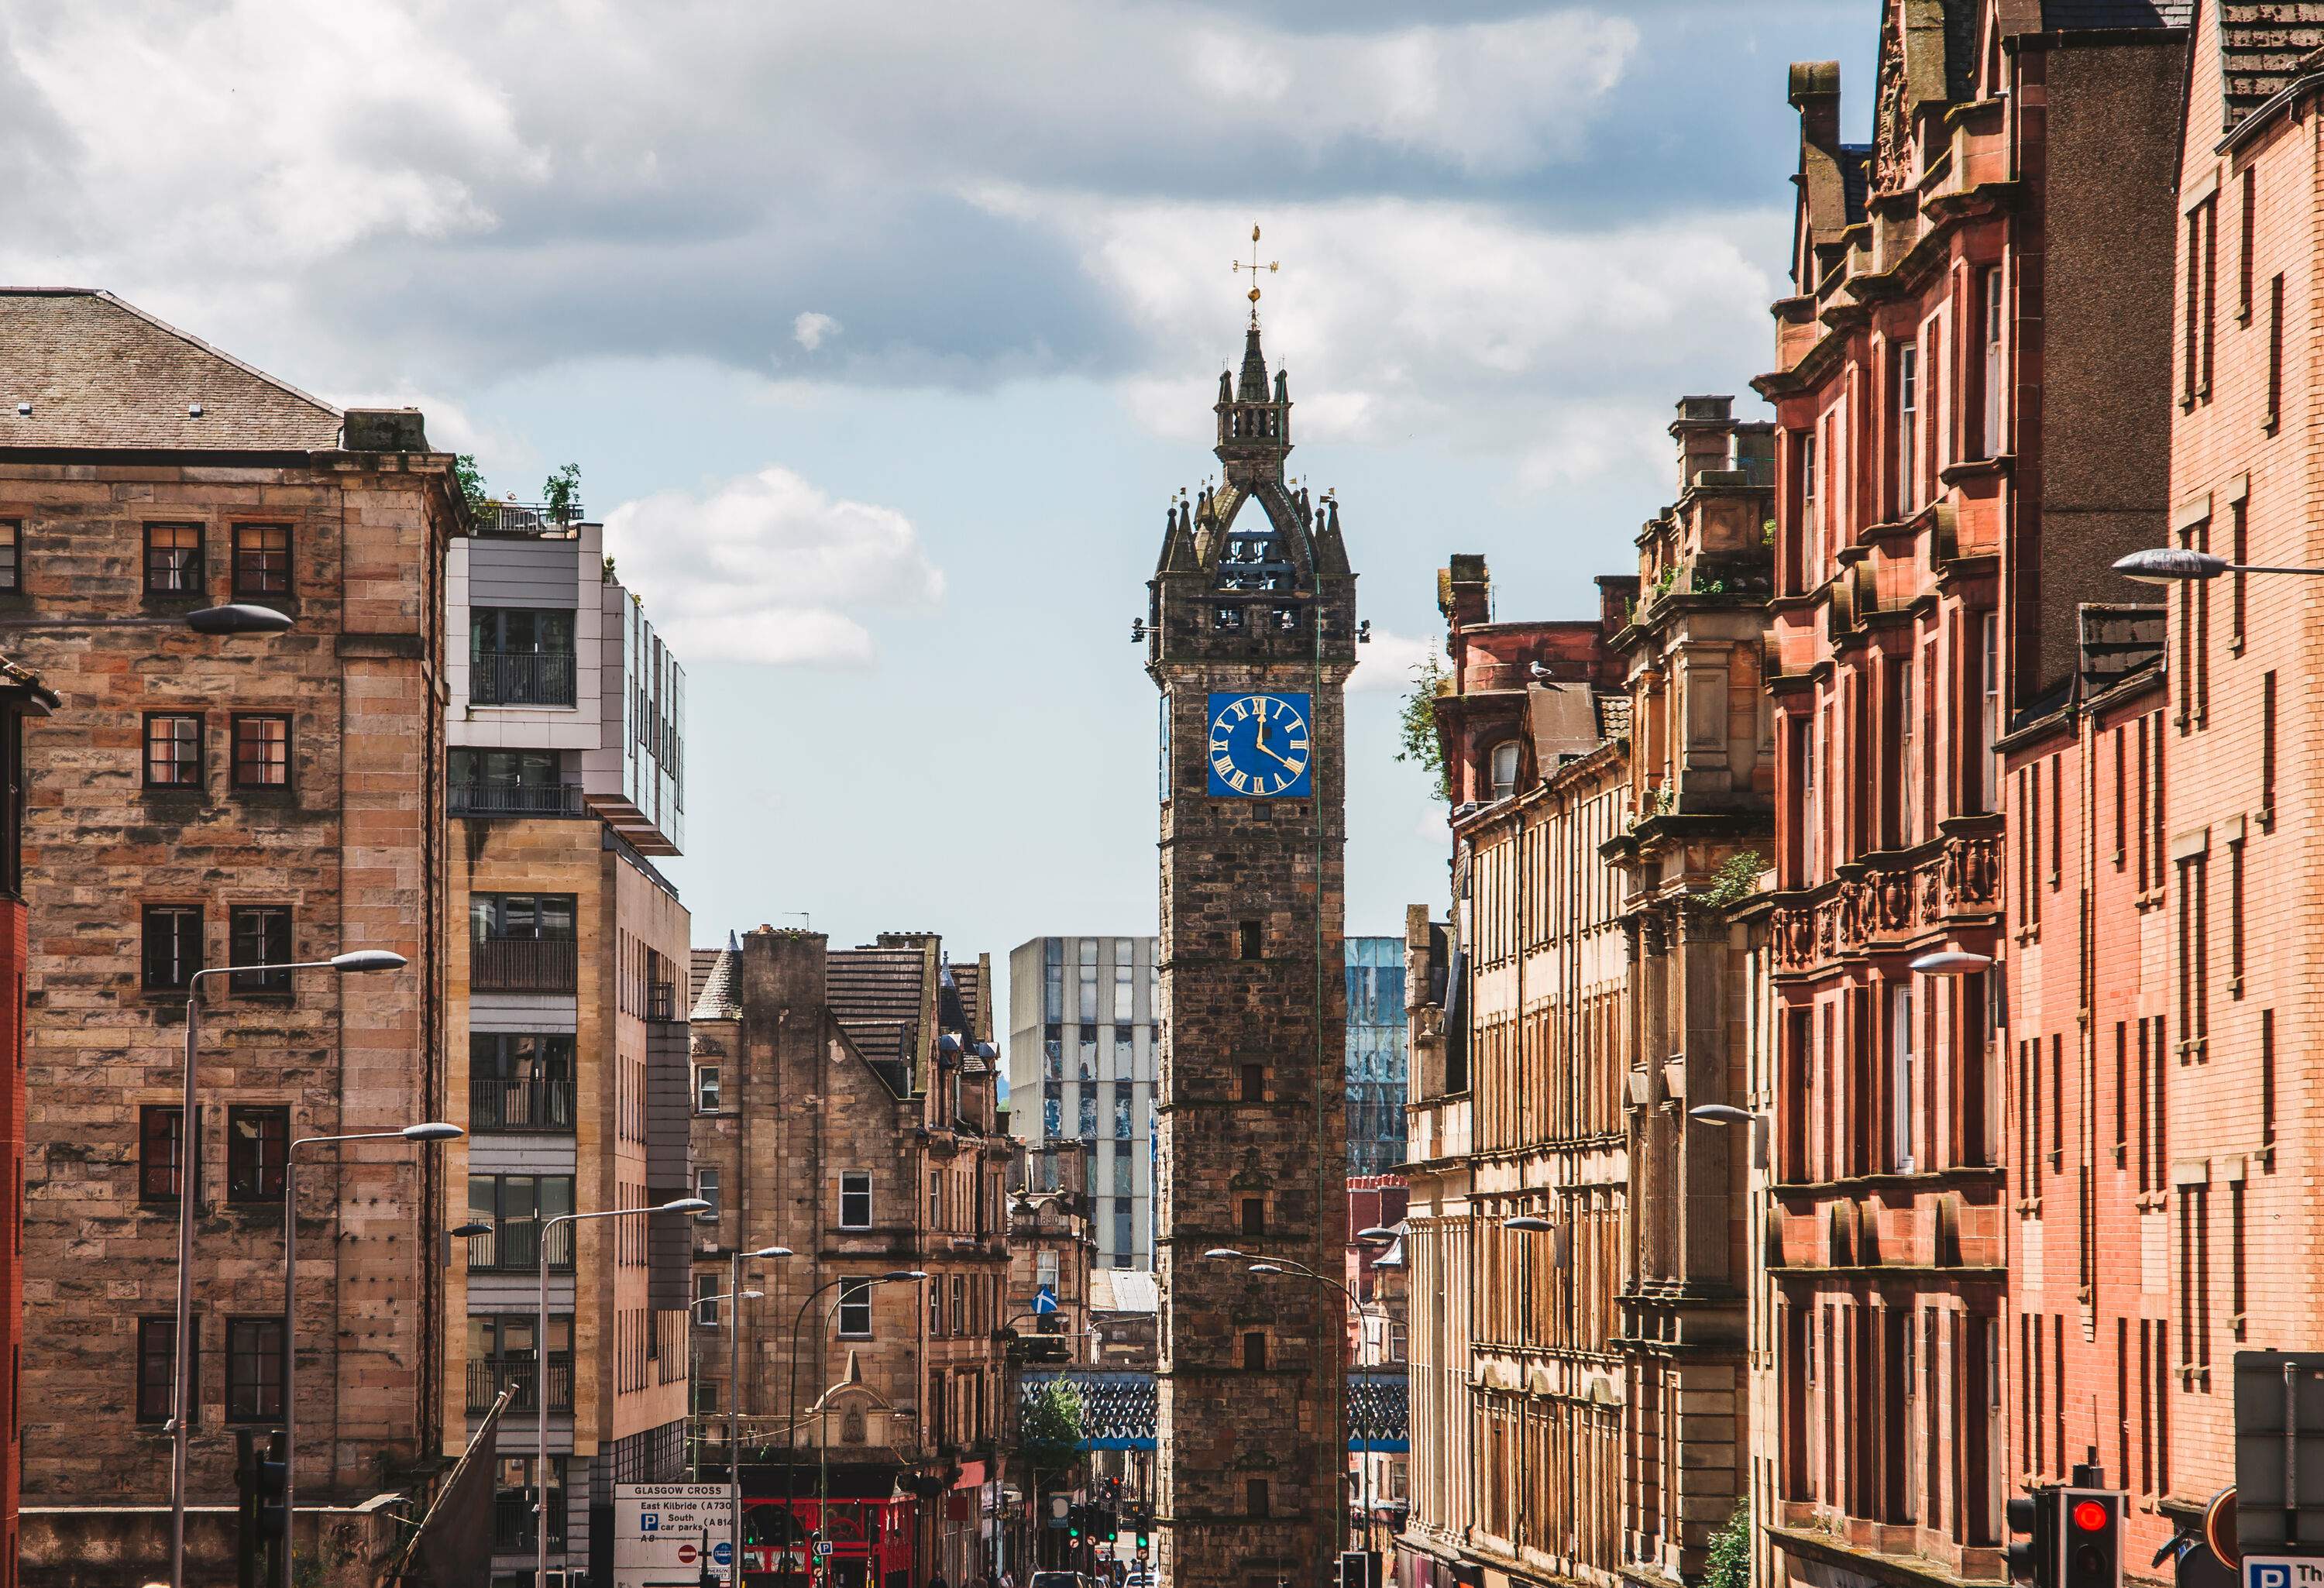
<point x="1285" y="760"/>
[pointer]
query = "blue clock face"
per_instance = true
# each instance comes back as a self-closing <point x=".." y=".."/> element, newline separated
<point x="1260" y="747"/>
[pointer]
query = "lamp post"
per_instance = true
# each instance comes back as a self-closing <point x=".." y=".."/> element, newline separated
<point x="2173" y="564"/>
<point x="424" y="1132"/>
<point x="540" y="1348"/>
<point x="181" y="1364"/>
<point x="737" y="1296"/>
<point x="791" y="1418"/>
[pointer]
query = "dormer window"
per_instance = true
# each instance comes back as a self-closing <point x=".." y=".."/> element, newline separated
<point x="1504" y="768"/>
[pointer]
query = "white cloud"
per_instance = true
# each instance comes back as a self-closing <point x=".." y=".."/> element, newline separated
<point x="809" y="329"/>
<point x="768" y="568"/>
<point x="1386" y="665"/>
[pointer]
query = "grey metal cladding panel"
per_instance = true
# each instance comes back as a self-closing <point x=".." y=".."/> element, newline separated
<point x="669" y="1263"/>
<point x="669" y="1112"/>
<point x="523" y="573"/>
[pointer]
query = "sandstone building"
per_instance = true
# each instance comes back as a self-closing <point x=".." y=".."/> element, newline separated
<point x="563" y="962"/>
<point x="2227" y="1216"/>
<point x="196" y="801"/>
<point x="856" y="1122"/>
<point x="1520" y="1065"/>
<point x="1252" y="633"/>
<point x="1971" y="365"/>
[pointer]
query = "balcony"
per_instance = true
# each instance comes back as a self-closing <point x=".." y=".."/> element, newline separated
<point x="520" y="677"/>
<point x="662" y="1001"/>
<point x="496" y="1104"/>
<point x="538" y="520"/>
<point x="514" y="1248"/>
<point x="511" y="799"/>
<point x="489" y="1377"/>
<point x="512" y="1531"/>
<point x="523" y="965"/>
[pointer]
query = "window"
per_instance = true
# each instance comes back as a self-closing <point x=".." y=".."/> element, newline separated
<point x="2194" y="959"/>
<point x="1995" y="373"/>
<point x="1903" y="1078"/>
<point x="522" y="918"/>
<point x="855" y="1200"/>
<point x="1053" y="981"/>
<point x="257" y="1141"/>
<point x="1504" y="768"/>
<point x="959" y="1306"/>
<point x="11" y="574"/>
<point x="705" y="1302"/>
<point x="855" y="1309"/>
<point x="1247" y="944"/>
<point x="1811" y="532"/>
<point x="2238" y="553"/>
<point x="1086" y="1006"/>
<point x="1088" y="1122"/>
<point x="1125" y="986"/>
<point x="260" y="934"/>
<point x="1988" y="727"/>
<point x="2274" y="413"/>
<point x="1908" y="429"/>
<point x="519" y="1208"/>
<point x="706" y="1088"/>
<point x="1254" y="1083"/>
<point x="1254" y="1497"/>
<point x="262" y="560"/>
<point x="1254" y="1351"/>
<point x="2248" y="225"/>
<point x="520" y="656"/>
<point x="936" y="1308"/>
<point x="173" y="751"/>
<point x="157" y="1345"/>
<point x="262" y="751"/>
<point x="1045" y="1271"/>
<point x="173" y="947"/>
<point x="1254" y="1215"/>
<point x="253" y="1371"/>
<point x="173" y="560"/>
<point x="2267" y="749"/>
<point x="1121" y="1099"/>
<point x="161" y="1152"/>
<point x="705" y="1186"/>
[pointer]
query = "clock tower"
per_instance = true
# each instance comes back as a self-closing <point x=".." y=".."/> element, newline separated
<point x="1251" y="634"/>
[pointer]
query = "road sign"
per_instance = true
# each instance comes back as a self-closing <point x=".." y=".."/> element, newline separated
<point x="723" y="1553"/>
<point x="822" y="1546"/>
<point x="2283" y="1571"/>
<point x="661" y="1528"/>
<point x="686" y="1554"/>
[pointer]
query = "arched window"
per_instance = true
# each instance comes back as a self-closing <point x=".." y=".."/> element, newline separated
<point x="1504" y="768"/>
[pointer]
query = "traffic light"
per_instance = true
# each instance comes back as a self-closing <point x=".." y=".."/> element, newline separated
<point x="1074" y="1524"/>
<point x="2088" y="1523"/>
<point x="2033" y="1557"/>
<point x="261" y="1522"/>
<point x="1114" y="1522"/>
<point x="1358" y="1568"/>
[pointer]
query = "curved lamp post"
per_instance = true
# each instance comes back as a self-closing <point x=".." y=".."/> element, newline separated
<point x="791" y="1418"/>
<point x="181" y="1364"/>
<point x="422" y="1133"/>
<point x="736" y="1295"/>
<point x="540" y="1348"/>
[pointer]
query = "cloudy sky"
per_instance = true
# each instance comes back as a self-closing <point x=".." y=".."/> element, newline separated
<point x="882" y="329"/>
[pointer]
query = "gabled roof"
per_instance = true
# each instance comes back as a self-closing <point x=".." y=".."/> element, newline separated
<point x="99" y="372"/>
<point x="2261" y="46"/>
<point x="877" y="996"/>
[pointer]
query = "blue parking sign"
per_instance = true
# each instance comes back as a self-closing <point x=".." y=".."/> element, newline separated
<point x="648" y="1522"/>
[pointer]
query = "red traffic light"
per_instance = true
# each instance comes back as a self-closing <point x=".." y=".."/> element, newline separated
<point x="2091" y="1516"/>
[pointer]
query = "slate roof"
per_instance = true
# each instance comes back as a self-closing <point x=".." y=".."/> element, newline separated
<point x="1855" y="178"/>
<point x="2059" y="16"/>
<point x="99" y="372"/>
<point x="697" y="970"/>
<point x="2262" y="44"/>
<point x="716" y="996"/>
<point x="876" y="994"/>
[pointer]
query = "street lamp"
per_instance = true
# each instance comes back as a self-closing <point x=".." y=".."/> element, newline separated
<point x="237" y="620"/>
<point x="736" y="1293"/>
<point x="541" y="1350"/>
<point x="423" y="1133"/>
<point x="1376" y="1235"/>
<point x="790" y="1398"/>
<point x="1950" y="962"/>
<point x="181" y="1364"/>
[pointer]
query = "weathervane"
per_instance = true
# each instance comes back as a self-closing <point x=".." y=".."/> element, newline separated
<point x="1254" y="267"/>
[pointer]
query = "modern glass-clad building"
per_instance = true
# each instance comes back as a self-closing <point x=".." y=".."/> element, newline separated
<point x="1084" y="1047"/>
<point x="1377" y="1055"/>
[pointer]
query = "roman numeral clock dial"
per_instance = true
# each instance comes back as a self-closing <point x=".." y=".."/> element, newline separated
<point x="1259" y="747"/>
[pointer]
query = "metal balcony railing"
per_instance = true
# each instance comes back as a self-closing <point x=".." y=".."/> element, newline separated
<point x="488" y="1378"/>
<point x="508" y="799"/>
<point x="512" y="1531"/>
<point x="662" y="1001"/>
<point x="523" y="965"/>
<point x="528" y="518"/>
<point x="496" y="1105"/>
<point x="514" y="1248"/>
<point x="520" y="677"/>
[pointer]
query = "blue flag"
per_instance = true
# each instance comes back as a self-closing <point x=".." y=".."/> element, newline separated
<point x="1045" y="1300"/>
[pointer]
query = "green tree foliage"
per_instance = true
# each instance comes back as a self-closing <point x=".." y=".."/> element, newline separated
<point x="560" y="492"/>
<point x="1736" y="879"/>
<point x="1049" y="1426"/>
<point x="470" y="479"/>
<point x="1417" y="725"/>
<point x="1729" y="1562"/>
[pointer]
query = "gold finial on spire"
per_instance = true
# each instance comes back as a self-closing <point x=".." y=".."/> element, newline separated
<point x="1254" y="267"/>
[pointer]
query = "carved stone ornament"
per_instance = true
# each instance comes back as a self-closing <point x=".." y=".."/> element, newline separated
<point x="1252" y="1176"/>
